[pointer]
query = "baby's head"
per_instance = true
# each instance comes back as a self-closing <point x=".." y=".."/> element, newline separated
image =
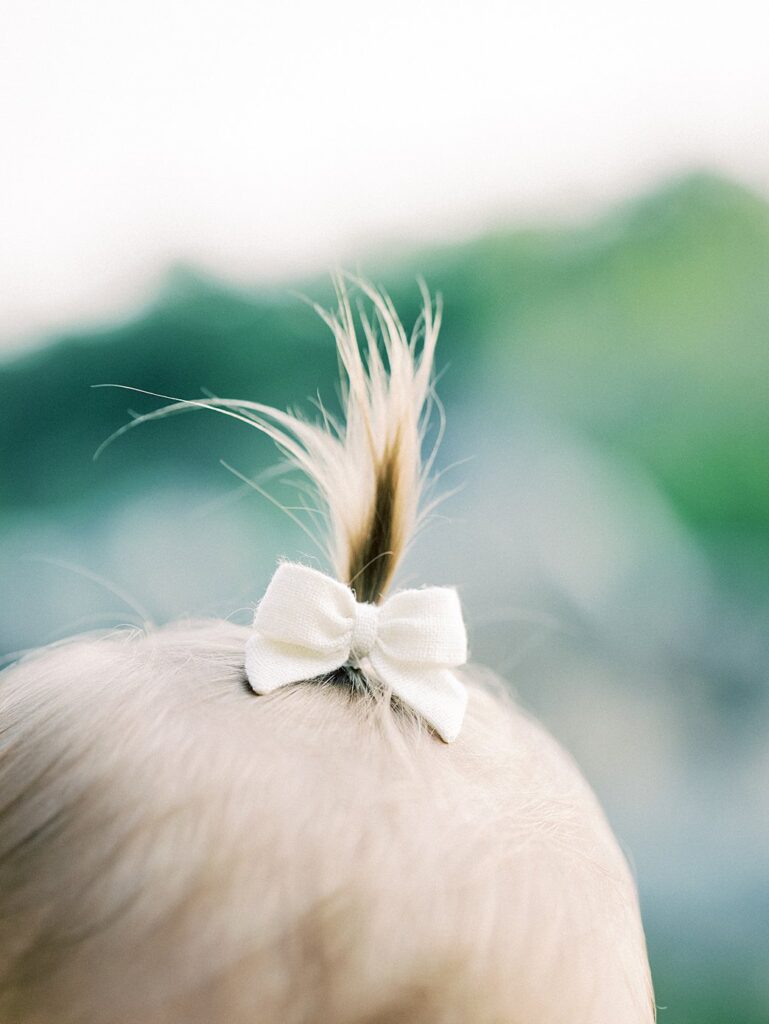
<point x="176" y="847"/>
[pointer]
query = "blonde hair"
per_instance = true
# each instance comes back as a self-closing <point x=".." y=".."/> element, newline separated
<point x="174" y="848"/>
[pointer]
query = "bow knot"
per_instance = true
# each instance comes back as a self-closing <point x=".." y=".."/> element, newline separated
<point x="307" y="625"/>
<point x="364" y="630"/>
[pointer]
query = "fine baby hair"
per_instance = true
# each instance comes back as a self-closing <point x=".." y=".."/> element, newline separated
<point x="325" y="817"/>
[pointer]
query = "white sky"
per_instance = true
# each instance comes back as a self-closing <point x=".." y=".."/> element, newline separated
<point x="261" y="139"/>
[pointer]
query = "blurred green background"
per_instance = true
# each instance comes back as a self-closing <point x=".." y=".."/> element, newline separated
<point x="607" y="394"/>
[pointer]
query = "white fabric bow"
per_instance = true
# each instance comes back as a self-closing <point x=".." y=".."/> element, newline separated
<point x="308" y="624"/>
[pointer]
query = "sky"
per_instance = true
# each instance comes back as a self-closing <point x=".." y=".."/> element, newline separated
<point x="264" y="140"/>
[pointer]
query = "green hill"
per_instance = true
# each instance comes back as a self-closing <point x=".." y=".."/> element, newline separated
<point x="646" y="330"/>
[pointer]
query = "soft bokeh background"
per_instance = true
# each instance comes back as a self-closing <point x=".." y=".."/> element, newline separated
<point x="587" y="187"/>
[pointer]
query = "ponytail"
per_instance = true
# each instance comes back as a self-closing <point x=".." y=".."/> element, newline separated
<point x="367" y="467"/>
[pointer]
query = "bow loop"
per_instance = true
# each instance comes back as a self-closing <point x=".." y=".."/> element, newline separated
<point x="424" y="626"/>
<point x="304" y="607"/>
<point x="308" y="625"/>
